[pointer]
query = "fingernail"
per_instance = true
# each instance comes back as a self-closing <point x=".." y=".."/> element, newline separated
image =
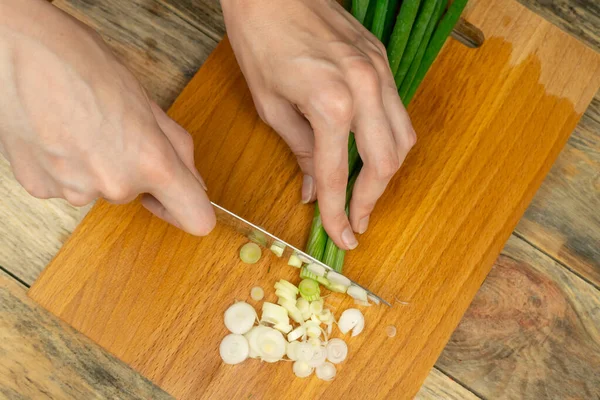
<point x="363" y="224"/>
<point x="349" y="239"/>
<point x="307" y="188"/>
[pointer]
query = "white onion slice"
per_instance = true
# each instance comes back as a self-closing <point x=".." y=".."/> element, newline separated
<point x="271" y="345"/>
<point x="357" y="293"/>
<point x="373" y="299"/>
<point x="283" y="284"/>
<point x="257" y="293"/>
<point x="296" y="334"/>
<point x="326" y="316"/>
<point x="295" y="261"/>
<point x="314" y="342"/>
<point x="326" y="371"/>
<point x="362" y="303"/>
<point x="303" y="305"/>
<point x="319" y="357"/>
<point x="390" y="331"/>
<point x="316" y="306"/>
<point x="283" y="328"/>
<point x="250" y="253"/>
<point x="340" y="279"/>
<point x="251" y="337"/>
<point x="240" y="317"/>
<point x="277" y="248"/>
<point x="234" y="349"/>
<point x="286" y="294"/>
<point x="305" y="352"/>
<point x="316" y="269"/>
<point x="301" y="369"/>
<point x="352" y="319"/>
<point x="292" y="350"/>
<point x="312" y="329"/>
<point x="337" y="350"/>
<point x="274" y="314"/>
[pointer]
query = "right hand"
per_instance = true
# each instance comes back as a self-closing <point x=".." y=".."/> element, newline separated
<point x="76" y="124"/>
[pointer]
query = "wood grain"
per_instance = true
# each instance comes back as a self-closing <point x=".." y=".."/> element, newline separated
<point x="438" y="386"/>
<point x="156" y="43"/>
<point x="581" y="18"/>
<point x="157" y="295"/>
<point x="45" y="358"/>
<point x="32" y="230"/>
<point x="533" y="332"/>
<point x="564" y="218"/>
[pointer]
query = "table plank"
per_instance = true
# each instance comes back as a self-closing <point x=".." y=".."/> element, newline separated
<point x="45" y="358"/>
<point x="533" y="331"/>
<point x="162" y="49"/>
<point x="439" y="386"/>
<point x="564" y="218"/>
<point x="32" y="230"/>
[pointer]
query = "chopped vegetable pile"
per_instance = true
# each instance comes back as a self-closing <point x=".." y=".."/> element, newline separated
<point x="297" y="329"/>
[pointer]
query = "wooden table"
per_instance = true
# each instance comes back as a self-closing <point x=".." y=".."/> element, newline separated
<point x="533" y="330"/>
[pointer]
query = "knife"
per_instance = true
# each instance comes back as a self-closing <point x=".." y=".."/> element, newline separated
<point x="263" y="238"/>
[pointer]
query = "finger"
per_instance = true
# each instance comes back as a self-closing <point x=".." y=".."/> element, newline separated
<point x="181" y="193"/>
<point x="155" y="207"/>
<point x="375" y="143"/>
<point x="296" y="131"/>
<point x="180" y="139"/>
<point x="330" y="113"/>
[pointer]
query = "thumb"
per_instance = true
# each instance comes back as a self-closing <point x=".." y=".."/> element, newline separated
<point x="296" y="131"/>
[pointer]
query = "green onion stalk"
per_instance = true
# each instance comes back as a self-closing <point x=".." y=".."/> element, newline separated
<point x="414" y="35"/>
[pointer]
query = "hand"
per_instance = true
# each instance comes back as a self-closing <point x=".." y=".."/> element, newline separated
<point x="315" y="75"/>
<point x="76" y="124"/>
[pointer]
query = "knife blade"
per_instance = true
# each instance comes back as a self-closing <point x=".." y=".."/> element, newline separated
<point x="263" y="238"/>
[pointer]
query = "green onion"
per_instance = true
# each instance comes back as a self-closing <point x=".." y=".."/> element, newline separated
<point x="317" y="238"/>
<point x="436" y="43"/>
<point x="309" y="289"/>
<point x="306" y="274"/>
<point x="416" y="35"/>
<point x="360" y="9"/>
<point x="414" y="66"/>
<point x="401" y="32"/>
<point x="383" y="19"/>
<point x="250" y="253"/>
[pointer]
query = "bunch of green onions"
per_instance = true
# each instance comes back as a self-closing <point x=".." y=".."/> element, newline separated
<point x="413" y="32"/>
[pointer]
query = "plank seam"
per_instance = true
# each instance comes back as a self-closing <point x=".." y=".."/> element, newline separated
<point x="567" y="267"/>
<point x="15" y="277"/>
<point x="474" y="392"/>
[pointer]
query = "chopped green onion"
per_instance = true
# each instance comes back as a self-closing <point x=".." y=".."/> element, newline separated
<point x="337" y="350"/>
<point x="323" y="281"/>
<point x="283" y="284"/>
<point x="250" y="253"/>
<point x="295" y="261"/>
<point x="257" y="293"/>
<point x="316" y="269"/>
<point x="357" y="293"/>
<point x="326" y="371"/>
<point x="296" y="334"/>
<point x="239" y="317"/>
<point x="316" y="306"/>
<point x="309" y="289"/>
<point x="234" y="349"/>
<point x="277" y="248"/>
<point x="306" y="274"/>
<point x="302" y="369"/>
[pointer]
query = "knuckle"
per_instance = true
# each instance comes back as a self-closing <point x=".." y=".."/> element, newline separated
<point x="78" y="199"/>
<point x="386" y="166"/>
<point x="117" y="191"/>
<point x="363" y="70"/>
<point x="266" y="112"/>
<point x="336" y="102"/>
<point x="410" y="138"/>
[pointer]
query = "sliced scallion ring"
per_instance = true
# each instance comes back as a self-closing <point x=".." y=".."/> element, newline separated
<point x="250" y="253"/>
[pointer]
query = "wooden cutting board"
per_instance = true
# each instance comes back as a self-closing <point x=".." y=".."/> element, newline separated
<point x="490" y="123"/>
